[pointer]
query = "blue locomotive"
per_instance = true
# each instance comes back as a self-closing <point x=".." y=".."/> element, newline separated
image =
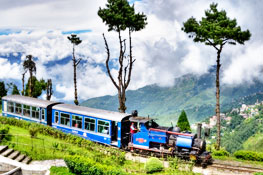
<point x="108" y="127"/>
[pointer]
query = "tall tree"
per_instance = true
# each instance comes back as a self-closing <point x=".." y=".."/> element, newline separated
<point x="119" y="16"/>
<point x="3" y="90"/>
<point x="183" y="122"/>
<point x="38" y="87"/>
<point x="15" y="90"/>
<point x="216" y="30"/>
<point x="30" y="65"/>
<point x="49" y="89"/>
<point x="75" y="41"/>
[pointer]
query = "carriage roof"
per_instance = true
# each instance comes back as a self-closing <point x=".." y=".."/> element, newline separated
<point x="98" y="113"/>
<point x="28" y="100"/>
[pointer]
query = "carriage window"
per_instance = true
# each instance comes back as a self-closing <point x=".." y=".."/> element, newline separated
<point x="10" y="106"/>
<point x="103" y="127"/>
<point x="77" y="121"/>
<point x="26" y="110"/>
<point x="18" y="108"/>
<point x="56" y="117"/>
<point x="89" y="124"/>
<point x="43" y="114"/>
<point x="64" y="119"/>
<point x="35" y="112"/>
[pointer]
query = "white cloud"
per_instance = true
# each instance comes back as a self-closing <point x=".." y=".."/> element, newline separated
<point x="162" y="51"/>
<point x="8" y="70"/>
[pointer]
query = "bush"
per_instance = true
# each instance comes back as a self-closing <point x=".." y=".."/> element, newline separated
<point x="249" y="155"/>
<point x="220" y="153"/>
<point x="4" y="136"/>
<point x="86" y="166"/>
<point x="153" y="165"/>
<point x="33" y="131"/>
<point x="258" y="173"/>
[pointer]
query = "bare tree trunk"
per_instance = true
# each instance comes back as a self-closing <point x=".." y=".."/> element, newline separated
<point x="75" y="77"/>
<point x="218" y="99"/>
<point x="30" y="82"/>
<point x="49" y="89"/>
<point x="23" y="84"/>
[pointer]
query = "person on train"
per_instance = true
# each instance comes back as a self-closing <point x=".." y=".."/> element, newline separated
<point x="133" y="130"/>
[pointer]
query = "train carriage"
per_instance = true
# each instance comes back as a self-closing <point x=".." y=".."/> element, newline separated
<point x="27" y="108"/>
<point x="93" y="124"/>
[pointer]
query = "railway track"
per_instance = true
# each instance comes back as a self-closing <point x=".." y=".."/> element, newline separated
<point x="235" y="168"/>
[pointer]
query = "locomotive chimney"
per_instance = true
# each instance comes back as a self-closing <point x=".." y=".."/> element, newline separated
<point x="199" y="130"/>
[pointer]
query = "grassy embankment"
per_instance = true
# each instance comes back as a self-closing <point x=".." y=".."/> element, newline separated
<point x="45" y="147"/>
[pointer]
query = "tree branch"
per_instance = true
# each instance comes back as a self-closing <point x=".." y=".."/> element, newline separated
<point x="78" y="61"/>
<point x="212" y="44"/>
<point x="107" y="62"/>
<point x="120" y="60"/>
<point x="131" y="61"/>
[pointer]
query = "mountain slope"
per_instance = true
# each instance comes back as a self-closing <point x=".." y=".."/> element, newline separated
<point x="196" y="95"/>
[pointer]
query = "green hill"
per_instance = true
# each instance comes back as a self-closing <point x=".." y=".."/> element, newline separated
<point x="194" y="94"/>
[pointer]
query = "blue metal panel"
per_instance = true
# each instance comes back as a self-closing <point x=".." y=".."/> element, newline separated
<point x="90" y="135"/>
<point x="157" y="136"/>
<point x="119" y="134"/>
<point x="184" y="142"/>
<point x="141" y="138"/>
<point x="93" y="136"/>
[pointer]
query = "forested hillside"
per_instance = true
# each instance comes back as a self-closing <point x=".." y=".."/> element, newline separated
<point x="194" y="94"/>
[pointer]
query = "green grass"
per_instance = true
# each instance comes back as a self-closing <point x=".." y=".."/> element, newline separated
<point x="60" y="171"/>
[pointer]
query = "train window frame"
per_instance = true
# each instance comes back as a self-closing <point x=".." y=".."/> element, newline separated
<point x="102" y="128"/>
<point x="10" y="105"/>
<point x="56" y="117"/>
<point x="18" y="108"/>
<point x="26" y="108"/>
<point x="43" y="114"/>
<point x="87" y="124"/>
<point x="62" y="119"/>
<point x="35" y="111"/>
<point x="5" y="106"/>
<point x="76" y="125"/>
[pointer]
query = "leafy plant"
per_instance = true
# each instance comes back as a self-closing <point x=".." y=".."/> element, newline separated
<point x="33" y="131"/>
<point x="153" y="164"/>
<point x="4" y="134"/>
<point x="249" y="155"/>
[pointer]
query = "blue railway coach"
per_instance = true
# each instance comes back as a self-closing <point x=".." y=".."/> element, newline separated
<point x="27" y="108"/>
<point x="93" y="124"/>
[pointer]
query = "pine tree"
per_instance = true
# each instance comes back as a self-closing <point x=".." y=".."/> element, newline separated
<point x="183" y="122"/>
<point x="216" y="30"/>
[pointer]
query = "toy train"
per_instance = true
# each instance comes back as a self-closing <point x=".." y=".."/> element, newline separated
<point x="108" y="127"/>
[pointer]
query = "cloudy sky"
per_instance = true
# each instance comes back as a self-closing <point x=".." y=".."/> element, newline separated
<point x="162" y="51"/>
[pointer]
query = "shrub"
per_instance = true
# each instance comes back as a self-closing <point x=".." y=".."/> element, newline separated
<point x="258" y="173"/>
<point x="248" y="155"/>
<point x="33" y="130"/>
<point x="220" y="153"/>
<point x="4" y="136"/>
<point x="153" y="165"/>
<point x="86" y="166"/>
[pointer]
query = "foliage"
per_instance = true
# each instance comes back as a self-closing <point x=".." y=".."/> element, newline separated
<point x="220" y="153"/>
<point x="254" y="143"/>
<point x="233" y="141"/>
<point x="119" y="15"/>
<point x="4" y="134"/>
<point x="183" y="122"/>
<point x="215" y="29"/>
<point x="249" y="155"/>
<point x="60" y="171"/>
<point x="3" y="90"/>
<point x="33" y="130"/>
<point x="86" y="166"/>
<point x="153" y="164"/>
<point x="37" y="88"/>
<point x="15" y="90"/>
<point x="258" y="173"/>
